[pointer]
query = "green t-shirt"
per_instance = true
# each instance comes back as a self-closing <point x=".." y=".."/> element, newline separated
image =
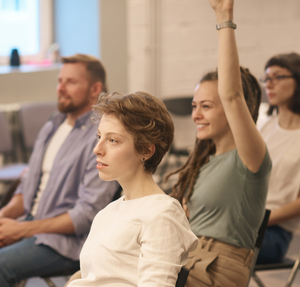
<point x="228" y="201"/>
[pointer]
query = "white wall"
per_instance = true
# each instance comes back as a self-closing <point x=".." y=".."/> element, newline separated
<point x="187" y="40"/>
<point x="21" y="87"/>
<point x="165" y="46"/>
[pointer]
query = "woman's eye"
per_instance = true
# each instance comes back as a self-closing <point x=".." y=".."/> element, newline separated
<point x="112" y="141"/>
<point x="205" y="107"/>
<point x="194" y="106"/>
<point x="98" y="137"/>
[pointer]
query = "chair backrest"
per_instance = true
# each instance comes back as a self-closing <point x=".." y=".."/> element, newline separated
<point x="259" y="240"/>
<point x="180" y="109"/>
<point x="182" y="277"/>
<point x="32" y="117"/>
<point x="6" y="140"/>
<point x="262" y="229"/>
<point x="181" y="106"/>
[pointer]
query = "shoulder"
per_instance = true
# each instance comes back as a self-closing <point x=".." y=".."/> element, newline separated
<point x="163" y="209"/>
<point x="264" y="169"/>
<point x="169" y="223"/>
<point x="163" y="204"/>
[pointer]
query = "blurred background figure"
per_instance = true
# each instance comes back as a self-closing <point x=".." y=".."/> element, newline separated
<point x="281" y="132"/>
<point x="61" y="192"/>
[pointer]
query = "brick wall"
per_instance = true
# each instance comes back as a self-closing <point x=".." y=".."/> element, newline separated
<point x="172" y="56"/>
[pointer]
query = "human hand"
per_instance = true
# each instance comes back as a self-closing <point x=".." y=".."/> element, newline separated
<point x="11" y="231"/>
<point x="223" y="9"/>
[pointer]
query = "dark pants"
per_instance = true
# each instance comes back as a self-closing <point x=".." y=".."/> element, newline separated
<point x="275" y="245"/>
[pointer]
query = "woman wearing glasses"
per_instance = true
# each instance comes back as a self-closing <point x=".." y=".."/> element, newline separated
<point x="281" y="132"/>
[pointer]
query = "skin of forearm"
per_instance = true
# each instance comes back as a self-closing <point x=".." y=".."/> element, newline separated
<point x="286" y="212"/>
<point x="61" y="224"/>
<point x="230" y="85"/>
<point x="14" y="208"/>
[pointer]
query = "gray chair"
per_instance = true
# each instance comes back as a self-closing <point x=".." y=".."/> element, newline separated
<point x="9" y="172"/>
<point x="32" y="116"/>
<point x="181" y="280"/>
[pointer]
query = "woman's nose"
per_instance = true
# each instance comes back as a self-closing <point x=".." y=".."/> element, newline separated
<point x="197" y="113"/>
<point x="98" y="149"/>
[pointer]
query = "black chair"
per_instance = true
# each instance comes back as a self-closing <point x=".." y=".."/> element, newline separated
<point x="182" y="277"/>
<point x="180" y="109"/>
<point x="259" y="240"/>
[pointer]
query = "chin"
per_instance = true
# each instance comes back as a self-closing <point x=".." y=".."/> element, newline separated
<point x="202" y="137"/>
<point x="105" y="177"/>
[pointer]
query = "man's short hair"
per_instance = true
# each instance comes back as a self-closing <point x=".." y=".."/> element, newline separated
<point x="93" y="65"/>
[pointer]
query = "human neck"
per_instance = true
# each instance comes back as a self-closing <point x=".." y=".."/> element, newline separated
<point x="139" y="186"/>
<point x="224" y="144"/>
<point x="287" y="119"/>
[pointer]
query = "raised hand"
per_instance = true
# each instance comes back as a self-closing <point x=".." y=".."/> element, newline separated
<point x="223" y="9"/>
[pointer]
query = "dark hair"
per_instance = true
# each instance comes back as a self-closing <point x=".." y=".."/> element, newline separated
<point x="204" y="148"/>
<point x="145" y="117"/>
<point x="291" y="62"/>
<point x="93" y="65"/>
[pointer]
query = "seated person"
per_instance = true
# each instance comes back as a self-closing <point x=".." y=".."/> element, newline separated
<point x="223" y="185"/>
<point x="142" y="239"/>
<point x="281" y="132"/>
<point x="61" y="192"/>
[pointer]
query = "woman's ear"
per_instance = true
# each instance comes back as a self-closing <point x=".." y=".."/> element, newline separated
<point x="151" y="150"/>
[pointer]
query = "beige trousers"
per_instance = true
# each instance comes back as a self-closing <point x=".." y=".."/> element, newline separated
<point x="218" y="264"/>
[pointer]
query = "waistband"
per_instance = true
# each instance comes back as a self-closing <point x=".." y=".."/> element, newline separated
<point x="239" y="254"/>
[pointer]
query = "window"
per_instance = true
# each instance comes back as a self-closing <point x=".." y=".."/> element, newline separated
<point x="25" y="25"/>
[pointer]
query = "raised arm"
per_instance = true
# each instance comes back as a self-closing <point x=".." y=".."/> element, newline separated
<point x="250" y="145"/>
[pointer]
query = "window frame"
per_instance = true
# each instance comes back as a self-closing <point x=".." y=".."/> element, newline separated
<point x="45" y="34"/>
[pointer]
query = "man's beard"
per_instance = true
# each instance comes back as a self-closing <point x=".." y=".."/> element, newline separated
<point x="69" y="108"/>
<point x="66" y="109"/>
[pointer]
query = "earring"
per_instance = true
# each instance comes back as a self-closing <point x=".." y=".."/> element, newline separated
<point x="143" y="162"/>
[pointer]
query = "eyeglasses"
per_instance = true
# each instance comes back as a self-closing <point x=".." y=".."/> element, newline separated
<point x="274" y="79"/>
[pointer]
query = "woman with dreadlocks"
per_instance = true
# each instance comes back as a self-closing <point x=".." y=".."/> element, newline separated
<point x="224" y="183"/>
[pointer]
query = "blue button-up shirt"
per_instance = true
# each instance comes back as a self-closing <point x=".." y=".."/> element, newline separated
<point x="74" y="185"/>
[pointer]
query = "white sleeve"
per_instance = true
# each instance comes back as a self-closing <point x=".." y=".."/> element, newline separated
<point x="165" y="244"/>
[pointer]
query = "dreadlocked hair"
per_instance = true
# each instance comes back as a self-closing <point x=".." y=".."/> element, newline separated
<point x="199" y="155"/>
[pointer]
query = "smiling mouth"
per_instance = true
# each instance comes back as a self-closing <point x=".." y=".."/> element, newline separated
<point x="200" y="126"/>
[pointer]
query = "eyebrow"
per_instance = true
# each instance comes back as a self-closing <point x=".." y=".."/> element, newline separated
<point x="203" y="101"/>
<point x="278" y="72"/>
<point x="111" y="133"/>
